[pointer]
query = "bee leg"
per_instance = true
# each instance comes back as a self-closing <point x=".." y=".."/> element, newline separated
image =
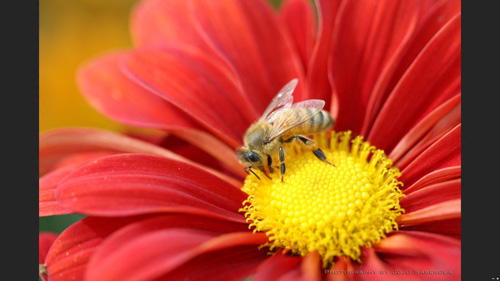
<point x="314" y="147"/>
<point x="282" y="162"/>
<point x="265" y="173"/>
<point x="321" y="156"/>
<point x="246" y="169"/>
<point x="269" y="163"/>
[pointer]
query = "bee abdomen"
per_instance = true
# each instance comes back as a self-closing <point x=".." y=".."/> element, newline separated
<point x="322" y="121"/>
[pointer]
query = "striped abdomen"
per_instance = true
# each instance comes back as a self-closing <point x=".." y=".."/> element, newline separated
<point x="322" y="121"/>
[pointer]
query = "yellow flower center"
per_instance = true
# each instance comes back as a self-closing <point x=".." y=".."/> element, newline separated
<point x="334" y="210"/>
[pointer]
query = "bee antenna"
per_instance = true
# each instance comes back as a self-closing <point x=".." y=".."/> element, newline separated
<point x="246" y="169"/>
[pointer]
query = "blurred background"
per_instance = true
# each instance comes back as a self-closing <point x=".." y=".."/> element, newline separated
<point x="70" y="33"/>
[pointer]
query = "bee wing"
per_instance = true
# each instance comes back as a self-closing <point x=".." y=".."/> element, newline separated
<point x="283" y="99"/>
<point x="285" y="120"/>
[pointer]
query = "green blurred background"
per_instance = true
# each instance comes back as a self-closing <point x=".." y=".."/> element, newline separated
<point x="70" y="33"/>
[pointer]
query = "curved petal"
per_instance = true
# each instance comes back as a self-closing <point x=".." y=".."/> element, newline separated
<point x="433" y="15"/>
<point x="45" y="240"/>
<point x="404" y="256"/>
<point x="228" y="257"/>
<point x="196" y="85"/>
<point x="317" y="70"/>
<point x="215" y="147"/>
<point x="431" y="195"/>
<point x="443" y="126"/>
<point x="440" y="175"/>
<point x="421" y="252"/>
<point x="61" y="145"/>
<point x="445" y="152"/>
<point x="144" y="265"/>
<point x="113" y="94"/>
<point x="298" y="16"/>
<point x="450" y="209"/>
<point x="47" y="203"/>
<point x="159" y="246"/>
<point x="367" y="40"/>
<point x="311" y="267"/>
<point x="70" y="252"/>
<point x="433" y="78"/>
<point x="263" y="56"/>
<point x="130" y="184"/>
<point x="208" y="152"/>
<point x="371" y="268"/>
<point x="424" y="125"/>
<point x="276" y="266"/>
<point x="450" y="227"/>
<point x="336" y="272"/>
<point x="156" y="22"/>
<point x="283" y="267"/>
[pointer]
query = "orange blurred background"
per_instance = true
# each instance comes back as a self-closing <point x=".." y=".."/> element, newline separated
<point x="72" y="32"/>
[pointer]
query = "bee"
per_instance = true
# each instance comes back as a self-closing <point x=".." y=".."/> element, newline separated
<point x="282" y="122"/>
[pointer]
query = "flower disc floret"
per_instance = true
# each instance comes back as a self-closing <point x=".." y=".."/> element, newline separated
<point x="334" y="210"/>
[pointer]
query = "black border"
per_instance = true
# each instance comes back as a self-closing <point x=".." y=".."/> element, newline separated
<point x="480" y="149"/>
<point x="19" y="23"/>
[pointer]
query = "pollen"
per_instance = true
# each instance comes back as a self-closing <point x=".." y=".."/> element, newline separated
<point x="334" y="210"/>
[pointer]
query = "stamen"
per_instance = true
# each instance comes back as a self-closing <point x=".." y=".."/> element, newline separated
<point x="334" y="210"/>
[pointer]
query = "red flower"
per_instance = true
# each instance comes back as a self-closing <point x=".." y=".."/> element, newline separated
<point x="203" y="72"/>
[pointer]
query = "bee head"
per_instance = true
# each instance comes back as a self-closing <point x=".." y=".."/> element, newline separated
<point x="248" y="157"/>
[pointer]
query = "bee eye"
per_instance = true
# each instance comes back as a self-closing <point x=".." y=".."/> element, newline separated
<point x="252" y="157"/>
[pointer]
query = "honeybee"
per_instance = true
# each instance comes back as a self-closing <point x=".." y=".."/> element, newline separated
<point x="282" y="122"/>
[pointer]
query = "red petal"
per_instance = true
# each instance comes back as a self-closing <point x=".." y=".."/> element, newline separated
<point x="216" y="148"/>
<point x="367" y="41"/>
<point x="433" y="78"/>
<point x="276" y="266"/>
<point x="450" y="227"/>
<point x="404" y="256"/>
<point x="156" y="22"/>
<point x="336" y="271"/>
<point x="298" y="16"/>
<point x="282" y="267"/>
<point x="214" y="91"/>
<point x="424" y="126"/>
<point x="113" y="94"/>
<point x="311" y="267"/>
<point x="446" y="152"/>
<point x="431" y="195"/>
<point x="168" y="244"/>
<point x="207" y="152"/>
<point x="130" y="184"/>
<point x="47" y="203"/>
<point x="420" y="251"/>
<point x="437" y="176"/>
<point x="219" y="260"/>
<point x="443" y="126"/>
<point x="68" y="256"/>
<point x="317" y="71"/>
<point x="60" y="146"/>
<point x="262" y="56"/>
<point x="45" y="240"/>
<point x="450" y="209"/>
<point x="433" y="16"/>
